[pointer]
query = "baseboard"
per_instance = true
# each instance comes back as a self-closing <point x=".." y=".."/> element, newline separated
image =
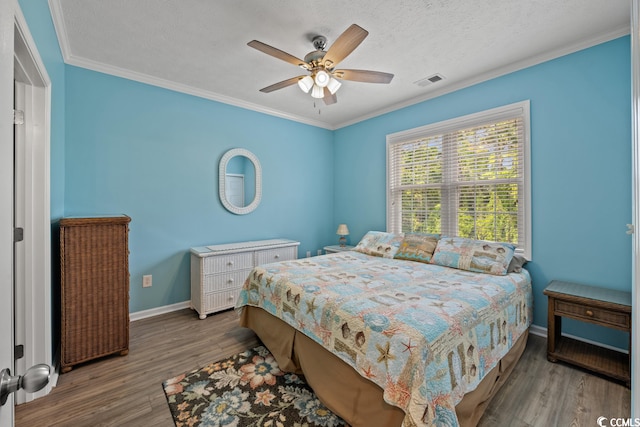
<point x="542" y="332"/>
<point x="55" y="364"/>
<point x="158" y="311"/>
<point x="538" y="330"/>
<point x="533" y="329"/>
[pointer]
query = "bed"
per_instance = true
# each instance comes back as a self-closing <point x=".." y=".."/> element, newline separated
<point x="409" y="330"/>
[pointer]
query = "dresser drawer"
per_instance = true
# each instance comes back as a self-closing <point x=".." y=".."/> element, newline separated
<point x="274" y="255"/>
<point x="220" y="300"/>
<point x="219" y="271"/>
<point x="600" y="315"/>
<point x="224" y="281"/>
<point x="226" y="263"/>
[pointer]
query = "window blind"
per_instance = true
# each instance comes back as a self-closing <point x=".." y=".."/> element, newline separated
<point x="465" y="177"/>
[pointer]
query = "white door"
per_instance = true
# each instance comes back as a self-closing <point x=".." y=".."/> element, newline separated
<point x="6" y="198"/>
<point x="635" y="136"/>
<point x="18" y="48"/>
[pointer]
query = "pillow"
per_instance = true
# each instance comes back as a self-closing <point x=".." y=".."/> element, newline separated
<point x="417" y="247"/>
<point x="481" y="256"/>
<point x="516" y="264"/>
<point x="379" y="243"/>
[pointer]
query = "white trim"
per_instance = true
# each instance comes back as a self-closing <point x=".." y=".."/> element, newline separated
<point x="542" y="332"/>
<point x="7" y="30"/>
<point x="139" y="315"/>
<point x="58" y="22"/>
<point x="517" y="108"/>
<point x="69" y="58"/>
<point x="492" y="74"/>
<point x="35" y="311"/>
<point x="222" y="177"/>
<point x="635" y="205"/>
<point x="189" y="90"/>
<point x="21" y="23"/>
<point x="533" y="329"/>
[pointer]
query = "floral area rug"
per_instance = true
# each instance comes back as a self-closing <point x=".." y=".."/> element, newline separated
<point x="247" y="389"/>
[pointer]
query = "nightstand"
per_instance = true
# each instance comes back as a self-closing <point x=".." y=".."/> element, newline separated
<point x="337" y="248"/>
<point x="604" y="307"/>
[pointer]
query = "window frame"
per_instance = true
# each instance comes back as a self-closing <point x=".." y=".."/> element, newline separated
<point x="518" y="109"/>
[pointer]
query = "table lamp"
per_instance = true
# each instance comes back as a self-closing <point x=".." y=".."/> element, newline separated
<point x="343" y="230"/>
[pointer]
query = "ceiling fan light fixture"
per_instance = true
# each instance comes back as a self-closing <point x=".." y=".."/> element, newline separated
<point x="322" y="78"/>
<point x="305" y="83"/>
<point x="317" y="92"/>
<point x="333" y="85"/>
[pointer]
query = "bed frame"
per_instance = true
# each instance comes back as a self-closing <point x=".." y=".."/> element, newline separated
<point x="345" y="392"/>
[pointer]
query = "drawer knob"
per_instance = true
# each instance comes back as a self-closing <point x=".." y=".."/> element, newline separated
<point x="230" y="281"/>
<point x="230" y="263"/>
<point x="277" y="256"/>
<point x="231" y="298"/>
<point x="589" y="313"/>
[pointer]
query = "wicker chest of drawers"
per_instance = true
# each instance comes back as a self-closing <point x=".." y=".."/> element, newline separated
<point x="219" y="271"/>
<point x="94" y="258"/>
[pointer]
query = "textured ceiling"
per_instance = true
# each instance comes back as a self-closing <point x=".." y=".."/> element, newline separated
<point x="200" y="46"/>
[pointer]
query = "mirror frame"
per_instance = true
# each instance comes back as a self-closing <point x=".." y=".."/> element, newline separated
<point x="223" y="174"/>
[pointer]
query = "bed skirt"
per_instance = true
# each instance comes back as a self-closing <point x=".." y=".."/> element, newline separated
<point x="354" y="398"/>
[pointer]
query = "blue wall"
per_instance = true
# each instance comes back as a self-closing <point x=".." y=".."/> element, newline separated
<point x="153" y="154"/>
<point x="125" y="147"/>
<point x="580" y="160"/>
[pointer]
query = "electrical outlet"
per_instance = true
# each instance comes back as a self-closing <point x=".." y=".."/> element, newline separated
<point x="319" y="252"/>
<point x="147" y="281"/>
<point x="308" y="254"/>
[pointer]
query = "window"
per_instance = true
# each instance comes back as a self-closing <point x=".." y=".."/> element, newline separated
<point x="466" y="177"/>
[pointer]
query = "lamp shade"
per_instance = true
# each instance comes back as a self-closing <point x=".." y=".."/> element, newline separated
<point x="317" y="92"/>
<point x="305" y="84"/>
<point x="333" y="85"/>
<point x="322" y="78"/>
<point x="343" y="230"/>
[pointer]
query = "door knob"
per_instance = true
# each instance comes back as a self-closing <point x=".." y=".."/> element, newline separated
<point x="33" y="380"/>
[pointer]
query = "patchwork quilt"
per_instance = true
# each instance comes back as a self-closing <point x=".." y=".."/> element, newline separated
<point x="426" y="334"/>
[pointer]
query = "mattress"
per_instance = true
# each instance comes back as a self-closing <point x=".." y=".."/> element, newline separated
<point x="426" y="335"/>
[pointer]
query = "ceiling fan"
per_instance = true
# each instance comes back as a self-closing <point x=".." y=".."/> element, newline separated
<point x="323" y="80"/>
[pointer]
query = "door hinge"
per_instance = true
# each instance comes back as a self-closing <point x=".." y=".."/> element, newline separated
<point x="18" y="234"/>
<point x="18" y="117"/>
<point x="631" y="229"/>
<point x="18" y="352"/>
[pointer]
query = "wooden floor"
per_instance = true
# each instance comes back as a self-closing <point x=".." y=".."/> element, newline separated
<point x="127" y="390"/>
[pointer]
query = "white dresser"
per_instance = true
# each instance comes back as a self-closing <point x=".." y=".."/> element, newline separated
<point x="219" y="271"/>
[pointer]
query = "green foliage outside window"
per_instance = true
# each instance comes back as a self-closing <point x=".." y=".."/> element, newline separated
<point x="472" y="175"/>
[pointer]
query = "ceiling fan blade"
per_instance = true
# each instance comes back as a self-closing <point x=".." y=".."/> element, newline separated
<point x="277" y="53"/>
<point x="329" y="98"/>
<point x="344" y="45"/>
<point x="363" y="76"/>
<point x="282" y="84"/>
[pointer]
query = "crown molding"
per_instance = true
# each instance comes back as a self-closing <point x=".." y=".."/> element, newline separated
<point x="497" y="72"/>
<point x="186" y="89"/>
<point x="60" y="28"/>
<point x="58" y="21"/>
<point x="70" y="59"/>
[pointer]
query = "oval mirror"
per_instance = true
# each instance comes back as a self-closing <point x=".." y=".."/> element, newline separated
<point x="240" y="181"/>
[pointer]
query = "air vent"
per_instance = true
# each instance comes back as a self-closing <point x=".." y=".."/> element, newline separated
<point x="429" y="80"/>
